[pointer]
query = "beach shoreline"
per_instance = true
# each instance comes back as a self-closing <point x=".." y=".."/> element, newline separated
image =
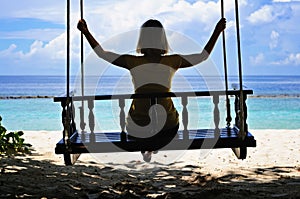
<point x="272" y="169"/>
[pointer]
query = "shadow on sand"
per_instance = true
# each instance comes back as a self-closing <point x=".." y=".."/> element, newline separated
<point x="24" y="177"/>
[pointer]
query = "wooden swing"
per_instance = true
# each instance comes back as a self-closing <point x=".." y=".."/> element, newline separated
<point x="74" y="143"/>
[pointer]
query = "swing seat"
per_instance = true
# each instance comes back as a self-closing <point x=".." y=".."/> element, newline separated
<point x="111" y="142"/>
<point x="75" y="143"/>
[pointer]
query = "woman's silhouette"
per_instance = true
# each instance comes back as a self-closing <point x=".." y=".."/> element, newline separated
<point x="152" y="72"/>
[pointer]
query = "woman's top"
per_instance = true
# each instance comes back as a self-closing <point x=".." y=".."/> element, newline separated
<point x="154" y="77"/>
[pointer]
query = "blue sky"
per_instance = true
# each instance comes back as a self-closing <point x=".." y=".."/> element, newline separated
<point x="32" y="32"/>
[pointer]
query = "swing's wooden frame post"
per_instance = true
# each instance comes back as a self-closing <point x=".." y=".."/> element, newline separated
<point x="73" y="144"/>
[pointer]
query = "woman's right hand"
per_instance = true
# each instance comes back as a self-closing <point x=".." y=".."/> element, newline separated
<point x="82" y="26"/>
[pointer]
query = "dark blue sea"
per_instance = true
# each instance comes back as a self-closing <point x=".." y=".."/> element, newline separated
<point x="274" y="105"/>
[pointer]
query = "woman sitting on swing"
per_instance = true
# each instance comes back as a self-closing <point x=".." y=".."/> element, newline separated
<point x="152" y="72"/>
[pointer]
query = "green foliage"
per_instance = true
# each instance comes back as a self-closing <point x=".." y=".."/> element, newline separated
<point x="12" y="143"/>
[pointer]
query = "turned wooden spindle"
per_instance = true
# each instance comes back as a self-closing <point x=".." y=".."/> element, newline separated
<point x="154" y="101"/>
<point x="91" y="120"/>
<point x="245" y="114"/>
<point x="66" y="122"/>
<point x="216" y="115"/>
<point x="237" y="109"/>
<point x="82" y="123"/>
<point x="63" y="118"/>
<point x="185" y="119"/>
<point x="122" y="119"/>
<point x="228" y="117"/>
<point x="241" y="115"/>
<point x="72" y="115"/>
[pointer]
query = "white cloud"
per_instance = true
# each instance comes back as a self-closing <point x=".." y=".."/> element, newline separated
<point x="37" y="48"/>
<point x="49" y="10"/>
<point x="8" y="51"/>
<point x="115" y="18"/>
<point x="269" y="13"/>
<point x="41" y="58"/>
<point x="264" y="14"/>
<point x="258" y="59"/>
<point x="292" y="59"/>
<point x="105" y="19"/>
<point x="109" y="18"/>
<point x="273" y="39"/>
<point x="32" y="34"/>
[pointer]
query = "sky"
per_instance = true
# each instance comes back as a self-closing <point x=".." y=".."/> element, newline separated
<point x="33" y="32"/>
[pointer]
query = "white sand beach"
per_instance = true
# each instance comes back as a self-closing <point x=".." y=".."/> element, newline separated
<point x="272" y="170"/>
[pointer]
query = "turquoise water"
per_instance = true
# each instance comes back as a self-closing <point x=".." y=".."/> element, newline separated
<point x="30" y="114"/>
<point x="274" y="113"/>
<point x="278" y="109"/>
<point x="44" y="114"/>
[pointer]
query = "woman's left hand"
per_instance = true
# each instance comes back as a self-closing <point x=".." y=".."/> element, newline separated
<point x="221" y="25"/>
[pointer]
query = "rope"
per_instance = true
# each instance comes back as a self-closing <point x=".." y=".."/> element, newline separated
<point x="242" y="126"/>
<point x="66" y="112"/>
<point x="82" y="52"/>
<point x="82" y="123"/>
<point x="239" y="44"/>
<point x="228" y="119"/>
<point x="224" y="48"/>
<point x="68" y="48"/>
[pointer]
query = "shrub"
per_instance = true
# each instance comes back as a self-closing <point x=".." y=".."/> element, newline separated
<point x="12" y="143"/>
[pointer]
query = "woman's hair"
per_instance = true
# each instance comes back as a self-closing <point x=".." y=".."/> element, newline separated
<point x="152" y="35"/>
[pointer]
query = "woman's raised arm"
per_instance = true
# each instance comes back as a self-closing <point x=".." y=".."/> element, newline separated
<point x="108" y="56"/>
<point x="194" y="59"/>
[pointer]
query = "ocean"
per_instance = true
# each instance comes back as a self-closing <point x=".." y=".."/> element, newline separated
<point x="26" y="102"/>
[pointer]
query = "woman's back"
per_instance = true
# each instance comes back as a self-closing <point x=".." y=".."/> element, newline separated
<point x="152" y="75"/>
